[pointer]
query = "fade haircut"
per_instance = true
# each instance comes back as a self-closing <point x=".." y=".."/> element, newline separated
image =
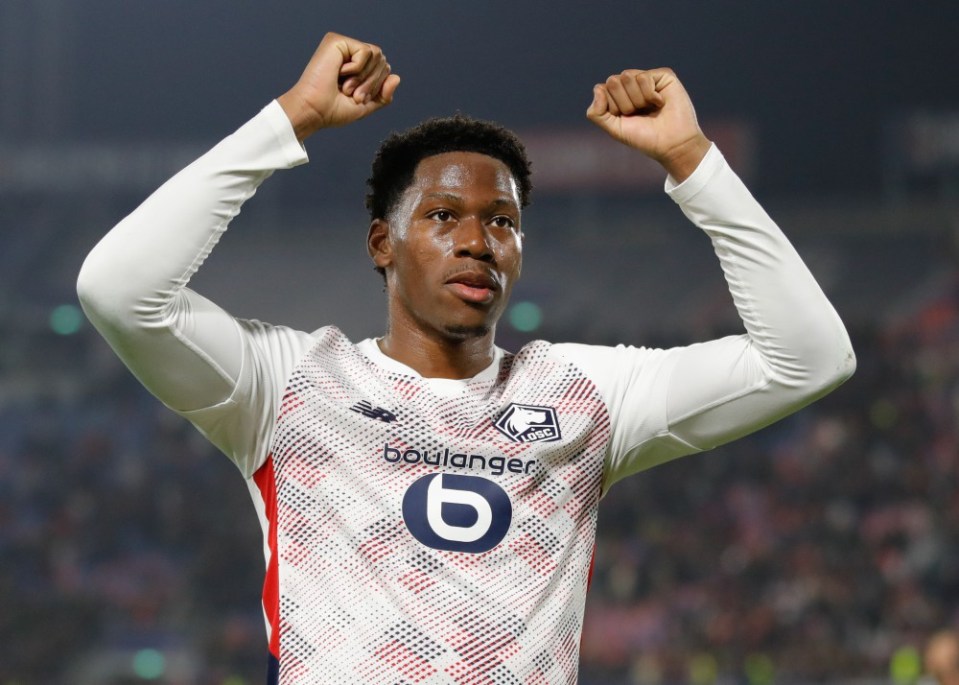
<point x="398" y="156"/>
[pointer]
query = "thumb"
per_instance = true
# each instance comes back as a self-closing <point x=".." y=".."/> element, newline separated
<point x="599" y="111"/>
<point x="599" y="108"/>
<point x="389" y="87"/>
<point x="385" y="95"/>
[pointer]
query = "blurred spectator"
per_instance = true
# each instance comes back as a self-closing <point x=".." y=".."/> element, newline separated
<point x="941" y="657"/>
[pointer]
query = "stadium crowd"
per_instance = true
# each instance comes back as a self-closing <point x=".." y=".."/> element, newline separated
<point x="809" y="551"/>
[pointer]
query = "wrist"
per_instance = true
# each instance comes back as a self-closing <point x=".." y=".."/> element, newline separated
<point x="681" y="161"/>
<point x="303" y="118"/>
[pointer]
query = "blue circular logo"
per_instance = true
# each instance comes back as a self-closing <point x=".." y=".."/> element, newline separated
<point x="457" y="513"/>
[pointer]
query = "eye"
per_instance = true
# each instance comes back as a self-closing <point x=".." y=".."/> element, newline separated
<point x="503" y="221"/>
<point x="442" y="215"/>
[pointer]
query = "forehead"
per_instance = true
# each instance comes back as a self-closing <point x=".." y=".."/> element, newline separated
<point x="464" y="172"/>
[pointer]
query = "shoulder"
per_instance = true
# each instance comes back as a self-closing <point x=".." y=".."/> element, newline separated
<point x="597" y="359"/>
<point x="272" y="339"/>
<point x="278" y="350"/>
<point x="613" y="370"/>
<point x="603" y="365"/>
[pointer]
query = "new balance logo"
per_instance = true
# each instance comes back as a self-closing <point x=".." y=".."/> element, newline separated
<point x="367" y="409"/>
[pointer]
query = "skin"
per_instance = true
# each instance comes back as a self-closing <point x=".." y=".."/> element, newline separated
<point x="452" y="250"/>
<point x="941" y="657"/>
<point x="452" y="247"/>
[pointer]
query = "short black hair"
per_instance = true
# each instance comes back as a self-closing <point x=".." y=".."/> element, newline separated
<point x="399" y="154"/>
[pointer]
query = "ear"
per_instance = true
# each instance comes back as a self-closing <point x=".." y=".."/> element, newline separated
<point x="378" y="243"/>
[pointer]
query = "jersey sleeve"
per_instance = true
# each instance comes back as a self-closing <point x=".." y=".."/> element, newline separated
<point x="223" y="374"/>
<point x="668" y="403"/>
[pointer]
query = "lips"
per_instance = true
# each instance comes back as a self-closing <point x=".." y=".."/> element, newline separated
<point x="477" y="287"/>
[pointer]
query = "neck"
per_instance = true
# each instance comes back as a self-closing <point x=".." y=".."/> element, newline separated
<point x="439" y="356"/>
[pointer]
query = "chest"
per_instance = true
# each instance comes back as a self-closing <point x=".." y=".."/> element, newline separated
<point x="457" y="465"/>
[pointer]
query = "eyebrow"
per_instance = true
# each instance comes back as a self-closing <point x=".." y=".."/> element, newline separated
<point x="453" y="197"/>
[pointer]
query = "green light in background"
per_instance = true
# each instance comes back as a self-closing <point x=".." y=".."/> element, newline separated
<point x="703" y="669"/>
<point x="759" y="670"/>
<point x="66" y="319"/>
<point x="525" y="316"/>
<point x="905" y="666"/>
<point x="149" y="664"/>
<point x="883" y="414"/>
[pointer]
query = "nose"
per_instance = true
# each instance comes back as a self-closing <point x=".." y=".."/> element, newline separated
<point x="472" y="240"/>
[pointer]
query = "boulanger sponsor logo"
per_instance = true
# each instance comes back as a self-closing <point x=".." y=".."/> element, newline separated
<point x="529" y="423"/>
<point x="446" y="458"/>
<point x="457" y="513"/>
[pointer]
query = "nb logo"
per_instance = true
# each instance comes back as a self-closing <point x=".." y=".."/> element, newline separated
<point x="457" y="513"/>
<point x="529" y="423"/>
<point x="368" y="410"/>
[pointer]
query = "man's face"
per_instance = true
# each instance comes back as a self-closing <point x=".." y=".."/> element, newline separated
<point x="452" y="247"/>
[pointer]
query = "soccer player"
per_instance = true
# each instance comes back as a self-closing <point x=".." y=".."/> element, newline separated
<point x="429" y="500"/>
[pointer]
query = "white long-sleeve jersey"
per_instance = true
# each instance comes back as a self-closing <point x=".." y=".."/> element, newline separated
<point x="422" y="530"/>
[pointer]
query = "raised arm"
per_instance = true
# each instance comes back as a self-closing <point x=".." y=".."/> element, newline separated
<point x="795" y="348"/>
<point x="133" y="285"/>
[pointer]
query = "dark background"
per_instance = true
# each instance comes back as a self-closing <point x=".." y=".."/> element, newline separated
<point x="818" y="78"/>
<point x="822" y="549"/>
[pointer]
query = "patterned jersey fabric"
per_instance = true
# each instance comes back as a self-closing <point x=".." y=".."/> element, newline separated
<point x="427" y="538"/>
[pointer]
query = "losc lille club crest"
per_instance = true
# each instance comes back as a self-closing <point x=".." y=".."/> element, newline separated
<point x="528" y="423"/>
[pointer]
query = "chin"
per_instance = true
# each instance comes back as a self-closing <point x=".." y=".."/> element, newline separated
<point x="464" y="332"/>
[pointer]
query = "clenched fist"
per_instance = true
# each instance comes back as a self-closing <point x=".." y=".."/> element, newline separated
<point x="345" y="80"/>
<point x="651" y="111"/>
